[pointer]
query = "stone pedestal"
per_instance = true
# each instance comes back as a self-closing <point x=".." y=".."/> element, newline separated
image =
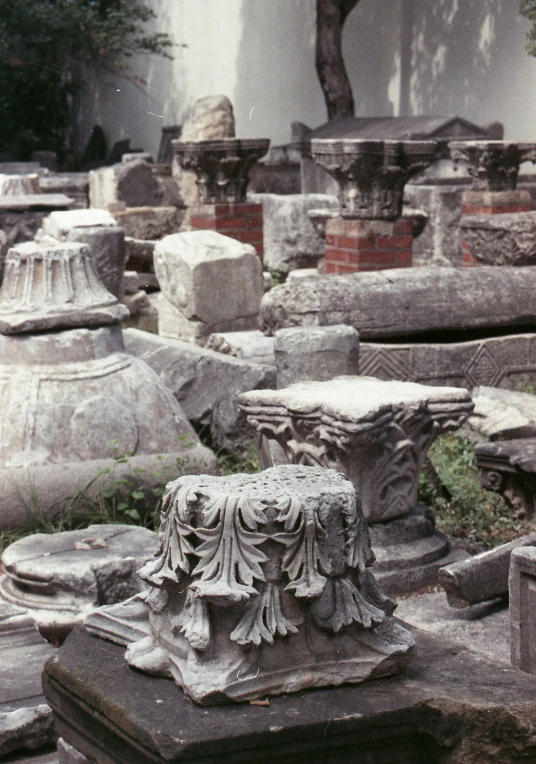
<point x="362" y="245"/>
<point x="451" y="707"/>
<point x="259" y="586"/>
<point x="378" y="434"/>
<point x="242" y="221"/>
<point x="494" y="167"/>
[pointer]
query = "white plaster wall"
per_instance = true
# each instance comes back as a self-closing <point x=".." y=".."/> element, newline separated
<point x="403" y="57"/>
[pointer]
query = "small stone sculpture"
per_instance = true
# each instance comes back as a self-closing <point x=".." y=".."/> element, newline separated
<point x="260" y="586"/>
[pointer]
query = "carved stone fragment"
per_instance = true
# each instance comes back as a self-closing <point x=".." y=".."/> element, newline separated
<point x="508" y="239"/>
<point x="221" y="166"/>
<point x="509" y="467"/>
<point x="260" y="585"/>
<point x="493" y="165"/>
<point x="371" y="174"/>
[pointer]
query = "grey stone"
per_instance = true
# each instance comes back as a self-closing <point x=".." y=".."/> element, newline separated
<point x="131" y="282"/>
<point x="53" y="287"/>
<point x="452" y="705"/>
<point x="199" y="273"/>
<point x="62" y="577"/>
<point x="132" y="183"/>
<point x="59" y="224"/>
<point x="205" y="383"/>
<point x="69" y="755"/>
<point x="135" y="155"/>
<point x="439" y="243"/>
<point x="46" y="202"/>
<point x="503" y="361"/>
<point x="19" y="168"/>
<point x="316" y="353"/>
<point x="483" y="577"/>
<point x="508" y="467"/>
<point x="73" y="184"/>
<point x="149" y="223"/>
<point x="290" y="238"/>
<point x="507" y="239"/>
<point x="406" y="301"/>
<point x="15" y="185"/>
<point x="502" y="414"/>
<point x="250" y="345"/>
<point x="248" y="599"/>
<point x="25" y="718"/>
<point x="521" y="586"/>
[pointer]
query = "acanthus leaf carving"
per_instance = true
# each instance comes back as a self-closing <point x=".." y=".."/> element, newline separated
<point x="193" y="621"/>
<point x="171" y="557"/>
<point x="229" y="559"/>
<point x="263" y="619"/>
<point x="302" y="557"/>
<point x="342" y="604"/>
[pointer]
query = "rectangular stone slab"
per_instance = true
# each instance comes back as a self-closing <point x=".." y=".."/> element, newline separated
<point x="450" y="700"/>
<point x="405" y="301"/>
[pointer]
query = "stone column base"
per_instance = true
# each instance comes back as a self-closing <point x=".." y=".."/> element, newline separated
<point x="367" y="245"/>
<point x="242" y="221"/>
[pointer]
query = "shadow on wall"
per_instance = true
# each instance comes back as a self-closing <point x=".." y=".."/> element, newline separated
<point x="137" y="108"/>
<point x="276" y="79"/>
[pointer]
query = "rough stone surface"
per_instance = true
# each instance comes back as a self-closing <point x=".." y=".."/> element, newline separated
<point x="60" y="578"/>
<point x="251" y="603"/>
<point x="450" y="706"/>
<point x="73" y="184"/>
<point x="25" y="718"/>
<point x="522" y="589"/>
<point x="502" y="414"/>
<point x="205" y="383"/>
<point x="149" y="222"/>
<point x="439" y="243"/>
<point x="47" y="202"/>
<point x="508" y="467"/>
<point x="132" y="183"/>
<point x="208" y="119"/>
<point x="316" y="353"/>
<point x="199" y="273"/>
<point x="290" y="238"/>
<point x="507" y="239"/>
<point x="19" y="184"/>
<point x="69" y="755"/>
<point x="503" y="361"/>
<point x="59" y="224"/>
<point x="54" y="287"/>
<point x="405" y="301"/>
<point x="251" y="346"/>
<point x="482" y="577"/>
<point x="356" y="424"/>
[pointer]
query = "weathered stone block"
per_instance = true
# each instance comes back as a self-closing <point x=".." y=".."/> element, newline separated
<point x="199" y="273"/>
<point x="19" y="184"/>
<point x="249" y="345"/>
<point x="482" y="577"/>
<point x="149" y="223"/>
<point x="522" y="589"/>
<point x="205" y="383"/>
<point x="132" y="183"/>
<point x="508" y="467"/>
<point x="405" y="301"/>
<point x="290" y="238"/>
<point x="315" y="353"/>
<point x="439" y="243"/>
<point x="503" y="414"/>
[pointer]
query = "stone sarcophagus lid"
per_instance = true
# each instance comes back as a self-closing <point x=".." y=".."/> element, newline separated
<point x="260" y="585"/>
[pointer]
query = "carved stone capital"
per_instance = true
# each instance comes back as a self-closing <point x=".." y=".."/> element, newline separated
<point x="509" y="467"/>
<point x="221" y="166"/>
<point x="259" y="585"/>
<point x="372" y="174"/>
<point x="377" y="433"/>
<point x="493" y="165"/>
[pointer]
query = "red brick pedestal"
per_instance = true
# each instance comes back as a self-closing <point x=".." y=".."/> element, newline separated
<point x="491" y="203"/>
<point x="241" y="221"/>
<point x="367" y="245"/>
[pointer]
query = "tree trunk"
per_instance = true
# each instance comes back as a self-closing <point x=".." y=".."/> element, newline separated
<point x="330" y="18"/>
